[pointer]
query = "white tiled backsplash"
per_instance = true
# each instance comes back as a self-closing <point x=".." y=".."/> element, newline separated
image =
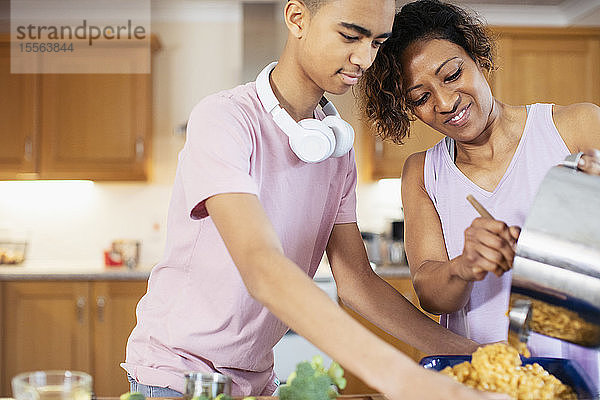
<point x="73" y="221"/>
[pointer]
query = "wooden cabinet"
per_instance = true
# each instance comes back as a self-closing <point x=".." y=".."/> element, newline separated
<point x="46" y="326"/>
<point x="74" y="126"/>
<point x="548" y="65"/>
<point x="18" y="105"/>
<point x="113" y="319"/>
<point x="387" y="158"/>
<point x="404" y="286"/>
<point x="68" y="325"/>
<point x="94" y="126"/>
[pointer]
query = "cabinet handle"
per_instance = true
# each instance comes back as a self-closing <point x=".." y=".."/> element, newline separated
<point x="139" y="148"/>
<point x="100" y="303"/>
<point x="28" y="148"/>
<point x="80" y="309"/>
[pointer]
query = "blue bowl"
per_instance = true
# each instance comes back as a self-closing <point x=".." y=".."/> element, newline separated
<point x="569" y="372"/>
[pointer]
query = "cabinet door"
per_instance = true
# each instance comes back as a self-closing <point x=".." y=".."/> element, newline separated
<point x="17" y="116"/>
<point x="94" y="126"/>
<point x="46" y="326"/>
<point x="404" y="286"/>
<point x="388" y="158"/>
<point x="548" y="65"/>
<point x="113" y="313"/>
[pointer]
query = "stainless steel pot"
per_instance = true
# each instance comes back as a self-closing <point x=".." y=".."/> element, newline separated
<point x="206" y="384"/>
<point x="556" y="271"/>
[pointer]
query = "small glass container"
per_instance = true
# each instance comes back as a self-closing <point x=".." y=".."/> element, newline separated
<point x="13" y="246"/>
<point x="12" y="253"/>
<point x="52" y="385"/>
<point x="129" y="251"/>
<point x="206" y="384"/>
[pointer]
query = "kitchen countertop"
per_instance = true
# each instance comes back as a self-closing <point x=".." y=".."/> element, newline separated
<point x="82" y="271"/>
<point x="76" y="271"/>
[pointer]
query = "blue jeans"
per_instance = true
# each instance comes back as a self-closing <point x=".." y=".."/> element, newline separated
<point x="151" y="391"/>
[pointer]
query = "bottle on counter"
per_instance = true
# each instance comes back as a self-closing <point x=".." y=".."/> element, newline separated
<point x="373" y="245"/>
<point x="394" y="245"/>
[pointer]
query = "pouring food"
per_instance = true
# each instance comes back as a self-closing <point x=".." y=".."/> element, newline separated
<point x="556" y="271"/>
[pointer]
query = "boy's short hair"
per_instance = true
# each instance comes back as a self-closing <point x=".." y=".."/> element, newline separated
<point x="313" y="5"/>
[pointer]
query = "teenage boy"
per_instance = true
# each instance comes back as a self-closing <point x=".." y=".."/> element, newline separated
<point x="258" y="197"/>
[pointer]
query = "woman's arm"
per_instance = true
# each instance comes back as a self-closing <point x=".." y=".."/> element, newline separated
<point x="366" y="293"/>
<point x="444" y="285"/>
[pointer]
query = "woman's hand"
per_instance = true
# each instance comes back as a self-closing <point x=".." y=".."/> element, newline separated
<point x="489" y="247"/>
<point x="590" y="162"/>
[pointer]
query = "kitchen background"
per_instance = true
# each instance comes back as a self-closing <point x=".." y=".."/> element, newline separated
<point x="207" y="46"/>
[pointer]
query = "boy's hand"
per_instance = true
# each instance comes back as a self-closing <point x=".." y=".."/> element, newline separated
<point x="429" y="385"/>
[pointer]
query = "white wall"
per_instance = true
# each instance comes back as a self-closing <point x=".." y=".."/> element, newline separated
<point x="201" y="54"/>
<point x="69" y="223"/>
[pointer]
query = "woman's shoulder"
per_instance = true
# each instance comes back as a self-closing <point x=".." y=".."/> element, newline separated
<point x="413" y="166"/>
<point x="416" y="162"/>
<point x="576" y="116"/>
<point x="576" y="112"/>
<point x="575" y="123"/>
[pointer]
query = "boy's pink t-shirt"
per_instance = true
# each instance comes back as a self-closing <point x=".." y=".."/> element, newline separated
<point x="197" y="314"/>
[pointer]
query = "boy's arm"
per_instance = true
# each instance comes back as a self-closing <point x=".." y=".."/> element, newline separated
<point x="365" y="292"/>
<point x="289" y="294"/>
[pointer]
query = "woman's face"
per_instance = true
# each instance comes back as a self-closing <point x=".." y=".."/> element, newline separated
<point x="446" y="88"/>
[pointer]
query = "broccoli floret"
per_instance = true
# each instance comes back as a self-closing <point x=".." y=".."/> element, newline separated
<point x="203" y="397"/>
<point x="223" y="396"/>
<point x="336" y="373"/>
<point x="311" y="381"/>
<point x="132" y="396"/>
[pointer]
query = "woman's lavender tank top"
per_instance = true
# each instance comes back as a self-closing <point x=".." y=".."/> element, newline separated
<point x="484" y="317"/>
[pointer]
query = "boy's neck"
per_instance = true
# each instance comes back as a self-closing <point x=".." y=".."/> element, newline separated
<point x="294" y="90"/>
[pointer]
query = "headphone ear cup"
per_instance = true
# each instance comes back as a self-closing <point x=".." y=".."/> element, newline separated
<point x="343" y="132"/>
<point x="315" y="144"/>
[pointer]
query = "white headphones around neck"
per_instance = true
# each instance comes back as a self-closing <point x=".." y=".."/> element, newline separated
<point x="312" y="140"/>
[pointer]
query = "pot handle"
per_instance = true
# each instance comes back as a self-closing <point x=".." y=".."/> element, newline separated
<point x="572" y="160"/>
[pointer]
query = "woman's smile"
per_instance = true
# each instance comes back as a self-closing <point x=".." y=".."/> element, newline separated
<point x="460" y="117"/>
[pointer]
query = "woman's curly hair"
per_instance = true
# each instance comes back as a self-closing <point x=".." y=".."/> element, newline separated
<point x="383" y="100"/>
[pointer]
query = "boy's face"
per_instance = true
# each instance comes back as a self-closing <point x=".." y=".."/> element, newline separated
<point x="341" y="39"/>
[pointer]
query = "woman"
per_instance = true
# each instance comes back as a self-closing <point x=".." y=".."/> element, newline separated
<point x="434" y="68"/>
